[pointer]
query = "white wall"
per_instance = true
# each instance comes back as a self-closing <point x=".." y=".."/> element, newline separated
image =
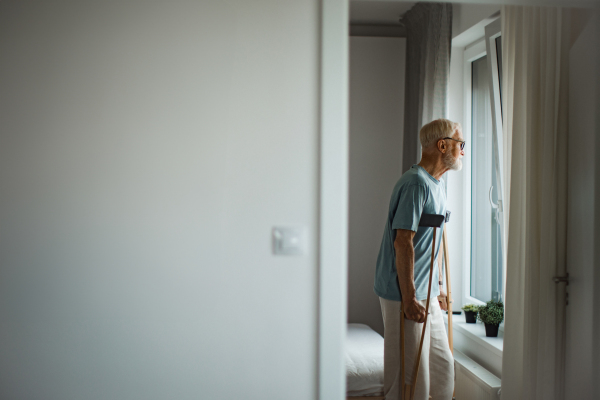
<point x="466" y="16"/>
<point x="377" y="68"/>
<point x="147" y="149"/>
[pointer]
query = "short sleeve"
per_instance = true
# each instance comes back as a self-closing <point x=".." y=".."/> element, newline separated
<point x="410" y="207"/>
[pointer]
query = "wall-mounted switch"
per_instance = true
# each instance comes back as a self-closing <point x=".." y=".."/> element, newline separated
<point x="289" y="241"/>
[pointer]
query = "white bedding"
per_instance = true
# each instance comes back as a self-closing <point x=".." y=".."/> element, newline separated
<point x="364" y="361"/>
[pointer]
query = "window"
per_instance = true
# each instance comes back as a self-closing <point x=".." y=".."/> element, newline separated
<point x="484" y="227"/>
<point x="486" y="274"/>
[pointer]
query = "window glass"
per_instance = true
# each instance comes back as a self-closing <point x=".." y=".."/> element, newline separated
<point x="481" y="177"/>
<point x="499" y="58"/>
<point x="486" y="253"/>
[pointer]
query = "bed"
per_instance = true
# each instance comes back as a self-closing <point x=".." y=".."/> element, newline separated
<point x="364" y="363"/>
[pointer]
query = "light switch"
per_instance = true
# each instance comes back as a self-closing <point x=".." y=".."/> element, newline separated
<point x="288" y="241"/>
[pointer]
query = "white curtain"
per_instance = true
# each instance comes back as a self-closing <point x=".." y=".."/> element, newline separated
<point x="535" y="68"/>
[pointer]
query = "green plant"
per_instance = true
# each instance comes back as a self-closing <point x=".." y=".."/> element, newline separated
<point x="470" y="308"/>
<point x="492" y="313"/>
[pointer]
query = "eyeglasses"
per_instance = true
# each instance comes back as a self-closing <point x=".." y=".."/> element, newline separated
<point x="462" y="142"/>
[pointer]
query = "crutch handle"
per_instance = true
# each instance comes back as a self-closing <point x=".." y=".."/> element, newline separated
<point x="432" y="220"/>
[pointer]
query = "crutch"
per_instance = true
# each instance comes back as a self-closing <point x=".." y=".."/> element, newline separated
<point x="448" y="287"/>
<point x="408" y="390"/>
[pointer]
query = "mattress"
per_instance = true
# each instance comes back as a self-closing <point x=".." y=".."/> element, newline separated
<point x="364" y="361"/>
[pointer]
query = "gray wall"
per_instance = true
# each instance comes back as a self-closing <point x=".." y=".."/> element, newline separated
<point x="582" y="311"/>
<point x="376" y="129"/>
<point x="147" y="149"/>
<point x="596" y="304"/>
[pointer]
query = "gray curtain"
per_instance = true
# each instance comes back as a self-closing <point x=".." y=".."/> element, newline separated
<point x="428" y="44"/>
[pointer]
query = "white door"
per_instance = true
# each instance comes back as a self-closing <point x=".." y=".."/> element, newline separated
<point x="580" y="248"/>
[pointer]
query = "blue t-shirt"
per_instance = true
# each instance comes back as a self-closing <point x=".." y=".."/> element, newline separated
<point x="415" y="193"/>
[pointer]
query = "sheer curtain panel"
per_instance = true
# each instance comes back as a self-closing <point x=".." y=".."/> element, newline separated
<point x="535" y="61"/>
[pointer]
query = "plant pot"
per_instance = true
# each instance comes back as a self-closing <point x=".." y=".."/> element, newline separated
<point x="471" y="317"/>
<point x="491" y="330"/>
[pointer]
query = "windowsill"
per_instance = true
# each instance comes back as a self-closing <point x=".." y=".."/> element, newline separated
<point x="476" y="332"/>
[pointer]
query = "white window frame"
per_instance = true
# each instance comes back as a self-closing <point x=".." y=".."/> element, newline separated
<point x="492" y="32"/>
<point x="472" y="52"/>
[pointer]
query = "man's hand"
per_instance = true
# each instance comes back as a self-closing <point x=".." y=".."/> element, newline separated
<point x="443" y="300"/>
<point x="414" y="311"/>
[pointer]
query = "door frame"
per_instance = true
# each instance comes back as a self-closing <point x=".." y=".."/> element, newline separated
<point x="333" y="199"/>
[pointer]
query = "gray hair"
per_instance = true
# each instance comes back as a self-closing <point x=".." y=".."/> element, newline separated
<point x="435" y="130"/>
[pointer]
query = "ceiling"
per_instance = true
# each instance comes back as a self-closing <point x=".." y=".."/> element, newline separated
<point x="375" y="12"/>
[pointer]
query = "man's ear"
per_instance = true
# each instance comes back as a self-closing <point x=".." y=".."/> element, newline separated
<point x="442" y="146"/>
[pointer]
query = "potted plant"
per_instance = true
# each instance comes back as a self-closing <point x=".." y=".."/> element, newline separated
<point x="492" y="314"/>
<point x="470" y="313"/>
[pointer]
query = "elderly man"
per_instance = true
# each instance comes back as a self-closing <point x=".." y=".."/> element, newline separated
<point x="402" y="271"/>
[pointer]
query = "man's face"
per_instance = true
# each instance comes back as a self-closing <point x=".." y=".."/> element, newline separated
<point x="454" y="154"/>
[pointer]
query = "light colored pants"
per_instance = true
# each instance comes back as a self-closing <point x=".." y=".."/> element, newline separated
<point x="436" y="372"/>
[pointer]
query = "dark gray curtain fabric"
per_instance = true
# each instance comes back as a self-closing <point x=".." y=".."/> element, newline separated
<point x="428" y="45"/>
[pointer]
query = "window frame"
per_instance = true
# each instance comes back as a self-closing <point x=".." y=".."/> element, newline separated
<point x="492" y="31"/>
<point x="472" y="52"/>
<point x="485" y="46"/>
<point x="477" y="49"/>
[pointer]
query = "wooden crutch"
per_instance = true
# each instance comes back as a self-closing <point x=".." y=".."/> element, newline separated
<point x="408" y="390"/>
<point x="448" y="288"/>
